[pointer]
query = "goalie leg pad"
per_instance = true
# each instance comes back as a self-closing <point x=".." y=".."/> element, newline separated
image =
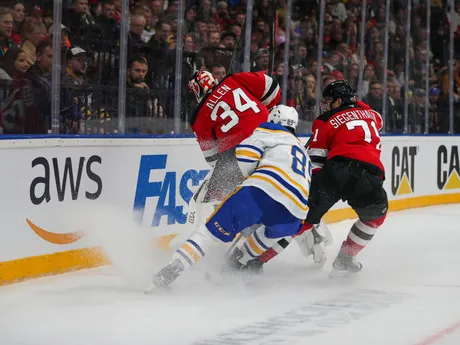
<point x="324" y="232"/>
<point x="311" y="243"/>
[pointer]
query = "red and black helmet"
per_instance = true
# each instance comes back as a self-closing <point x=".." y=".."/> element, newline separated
<point x="201" y="83"/>
<point x="340" y="89"/>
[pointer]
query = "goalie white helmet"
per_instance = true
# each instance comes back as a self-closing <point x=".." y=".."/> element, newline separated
<point x="284" y="116"/>
<point x="201" y="83"/>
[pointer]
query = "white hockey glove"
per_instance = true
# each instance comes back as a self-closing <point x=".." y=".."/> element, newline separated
<point x="324" y="232"/>
<point x="313" y="242"/>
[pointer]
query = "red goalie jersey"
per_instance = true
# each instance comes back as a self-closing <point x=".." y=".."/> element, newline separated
<point x="347" y="131"/>
<point x="232" y="110"/>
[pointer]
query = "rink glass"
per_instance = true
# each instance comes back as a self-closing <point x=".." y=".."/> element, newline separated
<point x="333" y="35"/>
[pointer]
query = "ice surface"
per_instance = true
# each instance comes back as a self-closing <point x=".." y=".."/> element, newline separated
<point x="407" y="294"/>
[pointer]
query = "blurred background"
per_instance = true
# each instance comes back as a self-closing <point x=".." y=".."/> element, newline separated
<point x="121" y="67"/>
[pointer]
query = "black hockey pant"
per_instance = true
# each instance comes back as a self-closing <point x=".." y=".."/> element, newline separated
<point x="351" y="181"/>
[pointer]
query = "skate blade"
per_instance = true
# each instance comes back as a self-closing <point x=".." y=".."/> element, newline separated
<point x="150" y="289"/>
<point x="338" y="274"/>
<point x="154" y="288"/>
<point x="157" y="290"/>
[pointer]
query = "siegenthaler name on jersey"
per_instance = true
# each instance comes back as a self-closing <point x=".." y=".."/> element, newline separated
<point x="351" y="115"/>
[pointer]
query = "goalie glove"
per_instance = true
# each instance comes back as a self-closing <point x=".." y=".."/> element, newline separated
<point x="312" y="243"/>
<point x="324" y="232"/>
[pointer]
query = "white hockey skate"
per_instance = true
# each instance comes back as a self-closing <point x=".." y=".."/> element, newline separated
<point x="345" y="265"/>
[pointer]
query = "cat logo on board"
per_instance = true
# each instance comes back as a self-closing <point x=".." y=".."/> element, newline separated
<point x="448" y="175"/>
<point x="403" y="170"/>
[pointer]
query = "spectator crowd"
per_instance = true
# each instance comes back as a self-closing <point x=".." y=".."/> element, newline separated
<point x="214" y="33"/>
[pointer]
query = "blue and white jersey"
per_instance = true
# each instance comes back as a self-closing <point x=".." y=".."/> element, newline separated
<point x="274" y="160"/>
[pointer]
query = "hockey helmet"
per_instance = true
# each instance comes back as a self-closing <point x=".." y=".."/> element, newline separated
<point x="339" y="89"/>
<point x="201" y="83"/>
<point x="284" y="116"/>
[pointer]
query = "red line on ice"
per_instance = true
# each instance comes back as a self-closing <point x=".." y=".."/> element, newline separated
<point x="435" y="337"/>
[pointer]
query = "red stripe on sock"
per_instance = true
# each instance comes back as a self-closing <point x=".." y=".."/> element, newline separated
<point x="376" y="222"/>
<point x="350" y="247"/>
<point x="268" y="255"/>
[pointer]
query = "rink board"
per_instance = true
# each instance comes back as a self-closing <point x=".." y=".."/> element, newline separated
<point x="54" y="188"/>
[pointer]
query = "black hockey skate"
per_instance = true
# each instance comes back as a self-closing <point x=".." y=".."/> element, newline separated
<point x="254" y="266"/>
<point x="166" y="276"/>
<point x="344" y="265"/>
<point x="233" y="265"/>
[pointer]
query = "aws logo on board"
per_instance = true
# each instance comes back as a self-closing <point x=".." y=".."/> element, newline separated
<point x="448" y="174"/>
<point x="62" y="178"/>
<point x="403" y="169"/>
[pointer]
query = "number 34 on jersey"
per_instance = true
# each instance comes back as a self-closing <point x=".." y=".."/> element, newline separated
<point x="223" y="110"/>
<point x="233" y="110"/>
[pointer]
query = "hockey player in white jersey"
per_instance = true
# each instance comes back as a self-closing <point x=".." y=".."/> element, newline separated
<point x="277" y="173"/>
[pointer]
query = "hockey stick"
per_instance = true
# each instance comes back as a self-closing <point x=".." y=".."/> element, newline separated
<point x="234" y="51"/>
<point x="271" y="11"/>
<point x="234" y="244"/>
